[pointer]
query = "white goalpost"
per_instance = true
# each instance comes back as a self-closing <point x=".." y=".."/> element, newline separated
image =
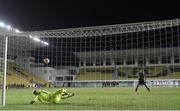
<point x="4" y="72"/>
<point x="3" y="67"/>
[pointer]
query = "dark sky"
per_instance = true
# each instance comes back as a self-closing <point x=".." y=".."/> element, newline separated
<point x="53" y="14"/>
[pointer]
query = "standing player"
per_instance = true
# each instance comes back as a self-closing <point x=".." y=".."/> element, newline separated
<point x="51" y="97"/>
<point x="141" y="80"/>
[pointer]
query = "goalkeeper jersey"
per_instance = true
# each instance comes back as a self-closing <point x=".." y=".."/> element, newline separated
<point x="48" y="97"/>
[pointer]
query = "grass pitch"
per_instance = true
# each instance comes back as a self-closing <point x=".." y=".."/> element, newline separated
<point x="100" y="99"/>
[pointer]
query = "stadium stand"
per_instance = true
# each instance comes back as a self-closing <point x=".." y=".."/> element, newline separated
<point x="174" y="72"/>
<point x="153" y="72"/>
<point x="95" y="74"/>
<point x="20" y="77"/>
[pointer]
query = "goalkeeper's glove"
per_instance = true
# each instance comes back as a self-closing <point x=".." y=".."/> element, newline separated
<point x="32" y="102"/>
<point x="64" y="90"/>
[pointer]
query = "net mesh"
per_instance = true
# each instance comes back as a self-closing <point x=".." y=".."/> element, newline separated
<point x="97" y="63"/>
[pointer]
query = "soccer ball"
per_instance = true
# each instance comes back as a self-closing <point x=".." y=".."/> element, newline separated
<point x="46" y="61"/>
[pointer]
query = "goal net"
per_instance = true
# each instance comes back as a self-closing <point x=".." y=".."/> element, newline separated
<point x="100" y="64"/>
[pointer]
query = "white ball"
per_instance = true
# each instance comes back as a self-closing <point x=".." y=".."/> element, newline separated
<point x="46" y="61"/>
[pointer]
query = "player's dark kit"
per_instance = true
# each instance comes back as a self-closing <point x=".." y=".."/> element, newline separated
<point x="141" y="81"/>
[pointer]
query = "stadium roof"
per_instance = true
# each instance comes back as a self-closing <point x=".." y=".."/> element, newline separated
<point x="107" y="29"/>
<point x="96" y="30"/>
<point x="34" y="36"/>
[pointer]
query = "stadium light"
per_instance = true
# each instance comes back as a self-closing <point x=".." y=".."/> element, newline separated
<point x="30" y="36"/>
<point x="2" y="24"/>
<point x="46" y="43"/>
<point x="17" y="31"/>
<point x="36" y="39"/>
<point x="9" y="27"/>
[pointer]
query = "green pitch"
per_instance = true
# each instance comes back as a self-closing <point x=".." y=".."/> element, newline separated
<point x="100" y="99"/>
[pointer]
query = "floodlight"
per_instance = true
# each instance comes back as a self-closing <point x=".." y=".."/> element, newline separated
<point x="17" y="31"/>
<point x="2" y="24"/>
<point x="9" y="27"/>
<point x="36" y="39"/>
<point x="46" y="43"/>
<point x="30" y="36"/>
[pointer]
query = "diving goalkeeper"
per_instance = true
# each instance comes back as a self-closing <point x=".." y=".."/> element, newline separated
<point x="51" y="97"/>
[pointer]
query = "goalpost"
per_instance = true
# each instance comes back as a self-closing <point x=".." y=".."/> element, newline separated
<point x="100" y="56"/>
<point x="3" y="67"/>
<point x="4" y="72"/>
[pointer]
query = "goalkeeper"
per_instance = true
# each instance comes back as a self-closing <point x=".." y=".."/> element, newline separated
<point x="51" y="97"/>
